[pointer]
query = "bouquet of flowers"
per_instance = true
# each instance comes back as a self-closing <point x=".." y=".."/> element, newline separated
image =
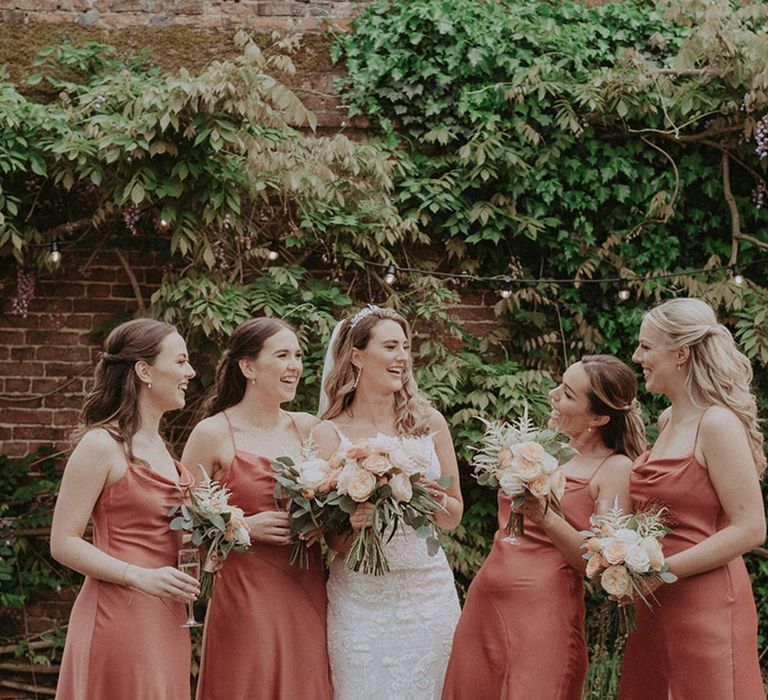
<point x="213" y="522"/>
<point x="387" y="471"/>
<point x="520" y="458"/>
<point x="309" y="483"/>
<point x="624" y="550"/>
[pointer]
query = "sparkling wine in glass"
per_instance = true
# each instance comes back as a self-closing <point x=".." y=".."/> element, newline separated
<point x="189" y="563"/>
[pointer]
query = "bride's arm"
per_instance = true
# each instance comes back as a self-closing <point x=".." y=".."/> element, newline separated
<point x="450" y="497"/>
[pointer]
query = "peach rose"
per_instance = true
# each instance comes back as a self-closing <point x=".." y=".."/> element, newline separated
<point x="540" y="487"/>
<point x="376" y="464"/>
<point x="592" y="545"/>
<point x="654" y="551"/>
<point x="594" y="564"/>
<point x="557" y="483"/>
<point x="615" y="551"/>
<point x="510" y="483"/>
<point x="401" y="486"/>
<point x="615" y="581"/>
<point x="505" y="458"/>
<point x="357" y="483"/>
<point x="358" y="451"/>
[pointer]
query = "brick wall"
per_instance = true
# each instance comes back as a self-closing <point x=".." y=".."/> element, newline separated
<point x="47" y="358"/>
<point x="293" y="15"/>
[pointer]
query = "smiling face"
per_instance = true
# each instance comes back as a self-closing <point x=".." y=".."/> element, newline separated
<point x="277" y="368"/>
<point x="385" y="360"/>
<point x="571" y="413"/>
<point x="170" y="373"/>
<point x="659" y="362"/>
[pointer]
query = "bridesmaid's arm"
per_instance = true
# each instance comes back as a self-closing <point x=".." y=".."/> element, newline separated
<point x="204" y="447"/>
<point x="453" y="503"/>
<point x="611" y="483"/>
<point x="96" y="462"/>
<point x="726" y="451"/>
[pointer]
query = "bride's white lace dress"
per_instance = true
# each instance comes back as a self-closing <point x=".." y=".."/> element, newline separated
<point x="389" y="637"/>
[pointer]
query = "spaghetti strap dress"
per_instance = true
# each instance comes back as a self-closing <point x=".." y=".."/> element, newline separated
<point x="521" y="632"/>
<point x="265" y="631"/>
<point x="699" y="642"/>
<point x="123" y="644"/>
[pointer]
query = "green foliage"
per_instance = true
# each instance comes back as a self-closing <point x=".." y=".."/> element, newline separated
<point x="551" y="139"/>
<point x="27" y="494"/>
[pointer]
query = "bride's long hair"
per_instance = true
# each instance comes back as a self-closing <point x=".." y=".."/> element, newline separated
<point x="411" y="407"/>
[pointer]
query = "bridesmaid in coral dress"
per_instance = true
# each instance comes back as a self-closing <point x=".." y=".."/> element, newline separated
<point x="521" y="633"/>
<point x="700" y="641"/>
<point x="264" y="634"/>
<point x="125" y="640"/>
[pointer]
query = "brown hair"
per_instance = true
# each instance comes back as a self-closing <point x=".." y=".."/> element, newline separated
<point x="411" y="408"/>
<point x="246" y="340"/>
<point x="613" y="393"/>
<point x="112" y="402"/>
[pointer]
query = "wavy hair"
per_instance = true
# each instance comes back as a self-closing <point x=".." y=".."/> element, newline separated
<point x="613" y="393"/>
<point x="246" y="340"/>
<point x="717" y="370"/>
<point x="411" y="407"/>
<point x="112" y="402"/>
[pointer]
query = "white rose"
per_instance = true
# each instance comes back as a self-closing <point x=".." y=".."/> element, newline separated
<point x="356" y="483"/>
<point x="401" y="457"/>
<point x="627" y="536"/>
<point x="654" y="551"/>
<point x="401" y="486"/>
<point x="637" y="559"/>
<point x="510" y="483"/>
<point x="313" y="473"/>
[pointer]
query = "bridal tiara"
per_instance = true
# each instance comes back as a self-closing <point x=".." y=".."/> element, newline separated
<point x="360" y="315"/>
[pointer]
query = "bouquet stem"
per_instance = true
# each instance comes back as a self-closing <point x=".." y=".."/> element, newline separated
<point x="299" y="555"/>
<point x="627" y="618"/>
<point x="515" y="525"/>
<point x="367" y="553"/>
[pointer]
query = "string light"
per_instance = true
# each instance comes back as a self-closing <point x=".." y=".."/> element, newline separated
<point x="624" y="291"/>
<point x="55" y="255"/>
<point x="164" y="223"/>
<point x="391" y="275"/>
<point x="274" y="252"/>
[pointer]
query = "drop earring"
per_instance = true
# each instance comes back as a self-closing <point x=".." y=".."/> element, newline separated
<point x="149" y="385"/>
<point x="357" y="378"/>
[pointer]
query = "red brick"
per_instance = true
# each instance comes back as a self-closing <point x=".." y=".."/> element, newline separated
<point x="27" y="416"/>
<point x="23" y="353"/>
<point x="43" y="386"/>
<point x="97" y="290"/>
<point x="93" y="305"/>
<point x="50" y="305"/>
<point x="65" y="369"/>
<point x="16" y="385"/>
<point x="61" y="400"/>
<point x="21" y="369"/>
<point x="56" y="352"/>
<point x="67" y="418"/>
<point x="36" y="432"/>
<point x="11" y="337"/>
<point x="101" y="274"/>
<point x="48" y="337"/>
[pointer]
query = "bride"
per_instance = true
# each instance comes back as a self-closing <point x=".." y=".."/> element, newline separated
<point x="389" y="637"/>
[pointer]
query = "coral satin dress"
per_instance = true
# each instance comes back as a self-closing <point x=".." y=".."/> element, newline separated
<point x="123" y="644"/>
<point x="521" y="633"/>
<point x="264" y="635"/>
<point x="700" y="641"/>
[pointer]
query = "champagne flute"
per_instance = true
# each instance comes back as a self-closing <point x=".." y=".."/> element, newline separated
<point x="189" y="563"/>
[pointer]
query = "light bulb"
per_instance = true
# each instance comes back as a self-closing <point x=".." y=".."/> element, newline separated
<point x="505" y="293"/>
<point x="391" y="276"/>
<point x="738" y="278"/>
<point x="624" y="293"/>
<point x="55" y="255"/>
<point x="273" y="253"/>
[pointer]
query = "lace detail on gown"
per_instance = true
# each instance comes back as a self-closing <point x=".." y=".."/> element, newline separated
<point x="389" y="637"/>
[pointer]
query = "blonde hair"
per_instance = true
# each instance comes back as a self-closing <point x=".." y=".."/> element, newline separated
<point x="717" y="370"/>
<point x="411" y="408"/>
